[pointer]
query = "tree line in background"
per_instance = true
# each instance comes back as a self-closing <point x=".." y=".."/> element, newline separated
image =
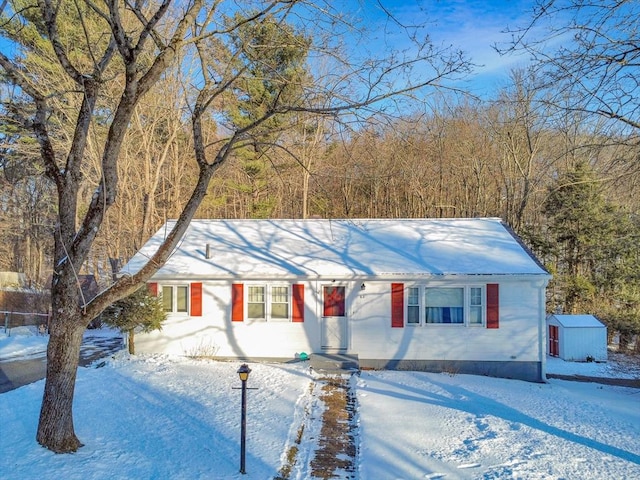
<point x="568" y="189"/>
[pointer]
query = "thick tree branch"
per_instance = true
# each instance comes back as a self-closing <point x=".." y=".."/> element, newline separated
<point x="128" y="284"/>
<point x="150" y="25"/>
<point x="40" y="118"/>
<point x="168" y="54"/>
<point x="621" y="118"/>
<point x="50" y="17"/>
<point x="134" y="90"/>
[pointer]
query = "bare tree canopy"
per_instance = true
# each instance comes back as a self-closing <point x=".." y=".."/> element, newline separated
<point x="587" y="54"/>
<point x="81" y="69"/>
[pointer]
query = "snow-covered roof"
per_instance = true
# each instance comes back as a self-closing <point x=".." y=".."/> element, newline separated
<point x="578" y="321"/>
<point x="341" y="248"/>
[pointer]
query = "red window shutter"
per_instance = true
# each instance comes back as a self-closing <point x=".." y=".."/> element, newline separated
<point x="153" y="289"/>
<point x="196" y="300"/>
<point x="297" y="304"/>
<point x="237" y="302"/>
<point x="493" y="305"/>
<point x="397" y="305"/>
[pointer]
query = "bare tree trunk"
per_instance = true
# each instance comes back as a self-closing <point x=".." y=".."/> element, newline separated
<point x="132" y="347"/>
<point x="305" y="193"/>
<point x="146" y="207"/>
<point x="55" y="428"/>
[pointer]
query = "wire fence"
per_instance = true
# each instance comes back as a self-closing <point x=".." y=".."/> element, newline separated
<point x="39" y="321"/>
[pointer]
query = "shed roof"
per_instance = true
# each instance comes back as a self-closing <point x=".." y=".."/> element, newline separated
<point x="342" y="248"/>
<point x="578" y="321"/>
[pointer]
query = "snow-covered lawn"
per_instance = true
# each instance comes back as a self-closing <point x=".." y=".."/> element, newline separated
<point x="417" y="425"/>
<point x="21" y="342"/>
<point x="158" y="417"/>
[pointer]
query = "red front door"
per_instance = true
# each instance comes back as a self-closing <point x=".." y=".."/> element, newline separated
<point x="554" y="351"/>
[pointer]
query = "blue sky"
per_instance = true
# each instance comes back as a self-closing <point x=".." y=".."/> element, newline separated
<point x="470" y="25"/>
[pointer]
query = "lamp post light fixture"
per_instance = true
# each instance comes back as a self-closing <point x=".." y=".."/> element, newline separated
<point x="243" y="373"/>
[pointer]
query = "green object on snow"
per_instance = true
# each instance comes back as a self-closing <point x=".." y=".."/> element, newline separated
<point x="303" y="356"/>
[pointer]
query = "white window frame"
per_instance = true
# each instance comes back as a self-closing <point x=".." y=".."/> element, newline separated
<point x="174" y="297"/>
<point x="248" y="301"/>
<point x="482" y="305"/>
<point x="468" y="297"/>
<point x="269" y="296"/>
<point x="414" y="303"/>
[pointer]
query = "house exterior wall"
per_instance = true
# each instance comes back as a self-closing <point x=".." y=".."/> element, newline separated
<point x="512" y="350"/>
<point x="581" y="343"/>
<point x="515" y="349"/>
<point x="214" y="334"/>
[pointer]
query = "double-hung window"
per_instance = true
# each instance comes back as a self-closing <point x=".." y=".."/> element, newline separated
<point x="256" y="298"/>
<point x="476" y="306"/>
<point x="280" y="303"/>
<point x="175" y="298"/>
<point x="413" y="306"/>
<point x="268" y="303"/>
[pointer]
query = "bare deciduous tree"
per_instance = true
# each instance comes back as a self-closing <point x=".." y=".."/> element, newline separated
<point x="518" y="125"/>
<point x="252" y="62"/>
<point x="587" y="54"/>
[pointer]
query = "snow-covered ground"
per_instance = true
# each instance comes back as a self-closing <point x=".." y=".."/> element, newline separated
<point x="25" y="342"/>
<point x="21" y="342"/>
<point x="159" y="417"/>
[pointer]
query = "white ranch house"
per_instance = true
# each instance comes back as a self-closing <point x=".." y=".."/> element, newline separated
<point x="459" y="295"/>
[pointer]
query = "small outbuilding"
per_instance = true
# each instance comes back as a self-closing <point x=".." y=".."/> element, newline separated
<point x="577" y="338"/>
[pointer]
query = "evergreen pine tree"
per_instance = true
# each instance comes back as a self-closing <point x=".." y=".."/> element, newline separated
<point x="596" y="252"/>
<point x="576" y="212"/>
<point x="139" y="311"/>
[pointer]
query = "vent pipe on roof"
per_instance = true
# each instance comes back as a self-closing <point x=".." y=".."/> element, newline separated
<point x="207" y="253"/>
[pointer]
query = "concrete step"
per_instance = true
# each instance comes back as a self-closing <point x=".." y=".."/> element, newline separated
<point x="334" y="362"/>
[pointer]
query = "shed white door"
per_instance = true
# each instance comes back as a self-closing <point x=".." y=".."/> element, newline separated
<point x="334" y="319"/>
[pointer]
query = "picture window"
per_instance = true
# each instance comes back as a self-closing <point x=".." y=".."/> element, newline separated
<point x="445" y="305"/>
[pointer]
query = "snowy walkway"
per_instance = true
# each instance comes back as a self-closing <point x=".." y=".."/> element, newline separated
<point x="326" y="442"/>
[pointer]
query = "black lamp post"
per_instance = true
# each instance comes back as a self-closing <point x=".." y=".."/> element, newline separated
<point x="243" y="373"/>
